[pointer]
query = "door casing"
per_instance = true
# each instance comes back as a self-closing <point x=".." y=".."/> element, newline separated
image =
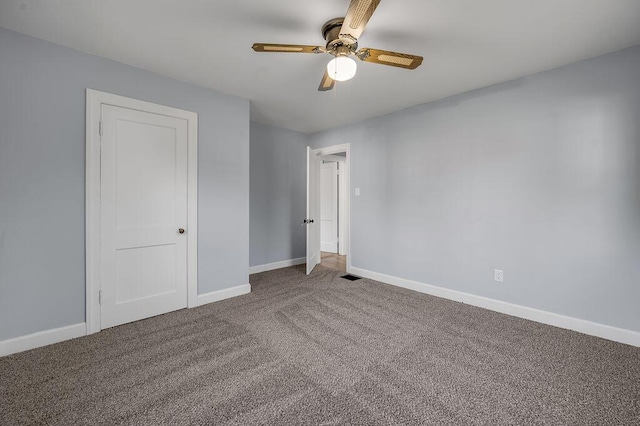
<point x="95" y="100"/>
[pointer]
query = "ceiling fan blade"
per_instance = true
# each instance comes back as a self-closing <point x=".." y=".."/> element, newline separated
<point x="327" y="82"/>
<point x="385" y="57"/>
<point x="288" y="48"/>
<point x="358" y="15"/>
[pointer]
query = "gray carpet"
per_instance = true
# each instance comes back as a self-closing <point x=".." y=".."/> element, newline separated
<point x="326" y="351"/>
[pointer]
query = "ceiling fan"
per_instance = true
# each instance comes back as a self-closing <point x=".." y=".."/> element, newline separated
<point x="341" y="35"/>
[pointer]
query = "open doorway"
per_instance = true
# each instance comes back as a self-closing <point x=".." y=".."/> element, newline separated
<point x="328" y="202"/>
<point x="332" y="211"/>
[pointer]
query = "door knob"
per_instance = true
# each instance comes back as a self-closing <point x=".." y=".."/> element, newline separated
<point x="181" y="230"/>
<point x="307" y="221"/>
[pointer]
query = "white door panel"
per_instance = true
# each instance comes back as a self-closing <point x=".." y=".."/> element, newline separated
<point x="146" y="167"/>
<point x="145" y="272"/>
<point x="144" y="203"/>
<point x="313" y="209"/>
<point x="329" y="207"/>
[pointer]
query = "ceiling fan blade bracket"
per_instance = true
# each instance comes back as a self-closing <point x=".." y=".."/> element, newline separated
<point x="348" y="39"/>
<point x="363" y="54"/>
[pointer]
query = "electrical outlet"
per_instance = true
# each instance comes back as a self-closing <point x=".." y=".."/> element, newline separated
<point x="498" y="275"/>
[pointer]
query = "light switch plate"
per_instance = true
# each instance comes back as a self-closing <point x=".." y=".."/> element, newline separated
<point x="357" y="192"/>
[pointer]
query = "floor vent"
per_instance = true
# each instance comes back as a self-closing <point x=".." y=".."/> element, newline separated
<point x="350" y="277"/>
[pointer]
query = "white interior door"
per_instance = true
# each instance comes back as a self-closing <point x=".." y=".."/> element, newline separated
<point x="313" y="209"/>
<point x="329" y="207"/>
<point x="143" y="244"/>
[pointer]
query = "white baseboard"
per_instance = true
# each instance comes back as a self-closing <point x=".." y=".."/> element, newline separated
<point x="42" y="338"/>
<point x="216" y="296"/>
<point x="616" y="334"/>
<point x="277" y="265"/>
<point x="48" y="337"/>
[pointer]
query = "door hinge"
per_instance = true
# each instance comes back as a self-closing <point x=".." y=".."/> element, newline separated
<point x="100" y="297"/>
<point x="100" y="127"/>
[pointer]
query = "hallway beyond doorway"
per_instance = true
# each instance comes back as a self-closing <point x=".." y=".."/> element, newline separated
<point x="334" y="261"/>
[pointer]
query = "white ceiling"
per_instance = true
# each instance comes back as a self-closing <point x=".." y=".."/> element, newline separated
<point x="466" y="44"/>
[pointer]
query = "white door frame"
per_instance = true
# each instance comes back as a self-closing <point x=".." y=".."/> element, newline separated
<point x="335" y="149"/>
<point x="95" y="100"/>
<point x="343" y="193"/>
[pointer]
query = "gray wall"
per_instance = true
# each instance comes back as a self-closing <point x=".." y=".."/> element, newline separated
<point x="539" y="177"/>
<point x="42" y="185"/>
<point x="278" y="194"/>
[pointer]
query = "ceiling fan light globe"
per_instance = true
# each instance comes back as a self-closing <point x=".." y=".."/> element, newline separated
<point x="342" y="68"/>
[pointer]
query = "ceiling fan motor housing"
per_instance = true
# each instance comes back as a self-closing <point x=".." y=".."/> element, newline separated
<point x="337" y="45"/>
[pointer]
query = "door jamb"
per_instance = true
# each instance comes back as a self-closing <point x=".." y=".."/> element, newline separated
<point x="335" y="149"/>
<point x="343" y="193"/>
<point x="95" y="100"/>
